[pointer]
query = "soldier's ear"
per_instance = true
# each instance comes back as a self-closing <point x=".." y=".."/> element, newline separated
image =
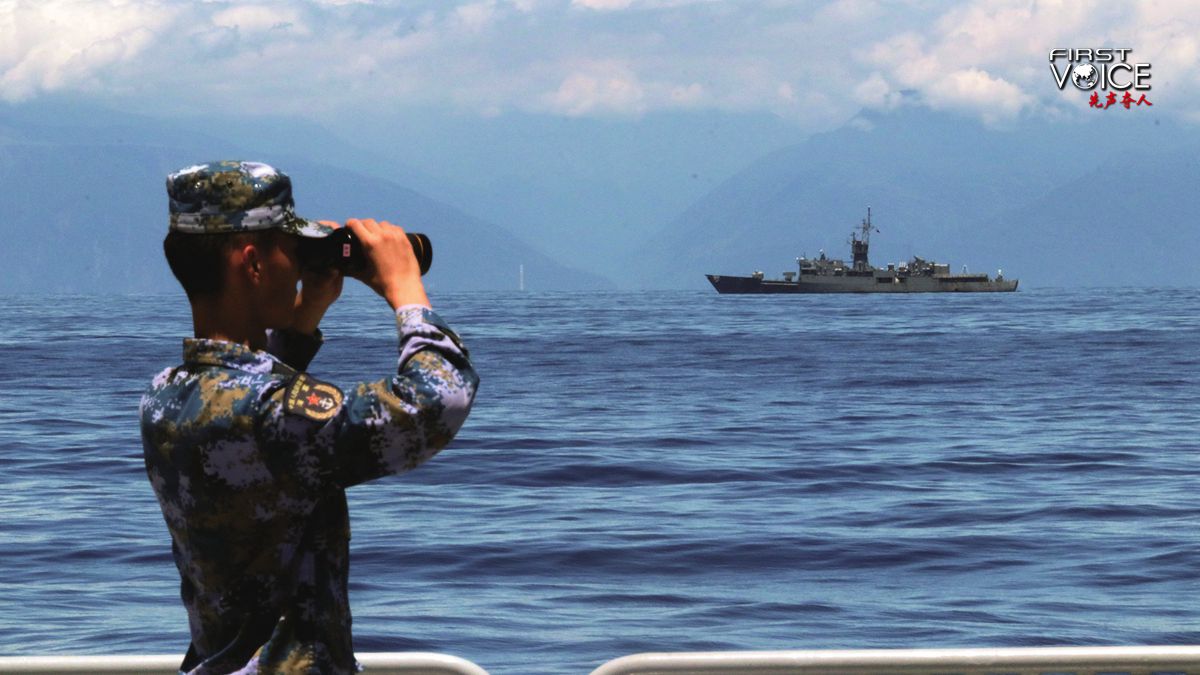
<point x="250" y="261"/>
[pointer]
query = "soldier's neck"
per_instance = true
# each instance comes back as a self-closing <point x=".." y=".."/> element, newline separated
<point x="214" y="319"/>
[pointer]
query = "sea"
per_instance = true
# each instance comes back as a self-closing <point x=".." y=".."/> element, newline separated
<point x="669" y="471"/>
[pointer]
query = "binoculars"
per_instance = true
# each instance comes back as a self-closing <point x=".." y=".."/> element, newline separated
<point x="343" y="250"/>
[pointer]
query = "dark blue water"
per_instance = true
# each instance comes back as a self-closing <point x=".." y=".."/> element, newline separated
<point x="671" y="471"/>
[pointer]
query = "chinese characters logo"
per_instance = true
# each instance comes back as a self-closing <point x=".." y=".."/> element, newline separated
<point x="1105" y="72"/>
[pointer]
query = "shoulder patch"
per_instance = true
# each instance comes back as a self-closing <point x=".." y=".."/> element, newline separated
<point x="311" y="398"/>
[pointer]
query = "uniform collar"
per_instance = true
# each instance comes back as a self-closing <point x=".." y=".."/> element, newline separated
<point x="227" y="355"/>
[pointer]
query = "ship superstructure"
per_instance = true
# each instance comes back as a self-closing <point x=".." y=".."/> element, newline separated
<point x="829" y="275"/>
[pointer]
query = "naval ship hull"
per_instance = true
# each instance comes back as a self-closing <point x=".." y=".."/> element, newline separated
<point x="827" y="275"/>
<point x="863" y="284"/>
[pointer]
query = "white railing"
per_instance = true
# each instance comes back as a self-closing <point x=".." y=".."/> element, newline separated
<point x="1040" y="660"/>
<point x="1058" y="660"/>
<point x="403" y="663"/>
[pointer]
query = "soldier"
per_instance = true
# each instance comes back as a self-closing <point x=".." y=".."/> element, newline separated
<point x="248" y="454"/>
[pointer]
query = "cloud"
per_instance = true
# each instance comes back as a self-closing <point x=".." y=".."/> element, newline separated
<point x="688" y="95"/>
<point x="63" y="45"/>
<point x="476" y="16"/>
<point x="616" y="5"/>
<point x="261" y="18"/>
<point x="994" y="98"/>
<point x="817" y="65"/>
<point x="875" y="92"/>
<point x="990" y="57"/>
<point x="602" y="5"/>
<point x="604" y="87"/>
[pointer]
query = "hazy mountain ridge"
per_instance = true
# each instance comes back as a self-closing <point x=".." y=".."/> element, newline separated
<point x="1122" y="235"/>
<point x="1103" y="201"/>
<point x="949" y="189"/>
<point x="84" y="208"/>
<point x="586" y="190"/>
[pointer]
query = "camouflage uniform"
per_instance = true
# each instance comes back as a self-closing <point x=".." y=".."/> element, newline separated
<point x="250" y="457"/>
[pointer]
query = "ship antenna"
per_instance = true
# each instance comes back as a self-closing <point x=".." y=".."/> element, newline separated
<point x="859" y="247"/>
<point x="867" y="227"/>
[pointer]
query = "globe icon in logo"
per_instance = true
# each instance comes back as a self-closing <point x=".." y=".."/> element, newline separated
<point x="1085" y="76"/>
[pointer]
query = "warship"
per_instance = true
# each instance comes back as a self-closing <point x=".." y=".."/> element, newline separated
<point x="827" y="275"/>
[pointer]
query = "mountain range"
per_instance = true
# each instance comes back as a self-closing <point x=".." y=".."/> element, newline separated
<point x="84" y="209"/>
<point x="1053" y="202"/>
<point x="1103" y="199"/>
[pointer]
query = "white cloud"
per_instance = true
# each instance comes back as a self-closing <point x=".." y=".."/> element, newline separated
<point x="60" y="44"/>
<point x="848" y="11"/>
<point x="995" y="99"/>
<point x="816" y="65"/>
<point x="602" y="5"/>
<point x="616" y="5"/>
<point x="688" y="95"/>
<point x="875" y="92"/>
<point x="260" y="19"/>
<point x="601" y="88"/>
<point x="476" y="16"/>
<point x="990" y="57"/>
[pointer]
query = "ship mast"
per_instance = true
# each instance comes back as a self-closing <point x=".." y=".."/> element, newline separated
<point x="859" y="247"/>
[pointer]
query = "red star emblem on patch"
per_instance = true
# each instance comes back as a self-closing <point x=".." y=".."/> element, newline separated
<point x="313" y="399"/>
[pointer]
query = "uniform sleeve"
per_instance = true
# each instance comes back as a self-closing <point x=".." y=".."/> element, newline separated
<point x="387" y="426"/>
<point x="294" y="348"/>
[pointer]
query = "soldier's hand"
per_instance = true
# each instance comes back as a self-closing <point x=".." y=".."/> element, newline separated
<point x="393" y="271"/>
<point x="318" y="290"/>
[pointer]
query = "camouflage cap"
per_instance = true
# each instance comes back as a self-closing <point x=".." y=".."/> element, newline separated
<point x="234" y="196"/>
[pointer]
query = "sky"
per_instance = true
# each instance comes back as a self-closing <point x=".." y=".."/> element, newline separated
<point x="814" y="64"/>
<point x="583" y="127"/>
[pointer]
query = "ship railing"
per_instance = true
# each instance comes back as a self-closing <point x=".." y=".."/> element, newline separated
<point x="1006" y="661"/>
<point x="1000" y="661"/>
<point x="396" y="663"/>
